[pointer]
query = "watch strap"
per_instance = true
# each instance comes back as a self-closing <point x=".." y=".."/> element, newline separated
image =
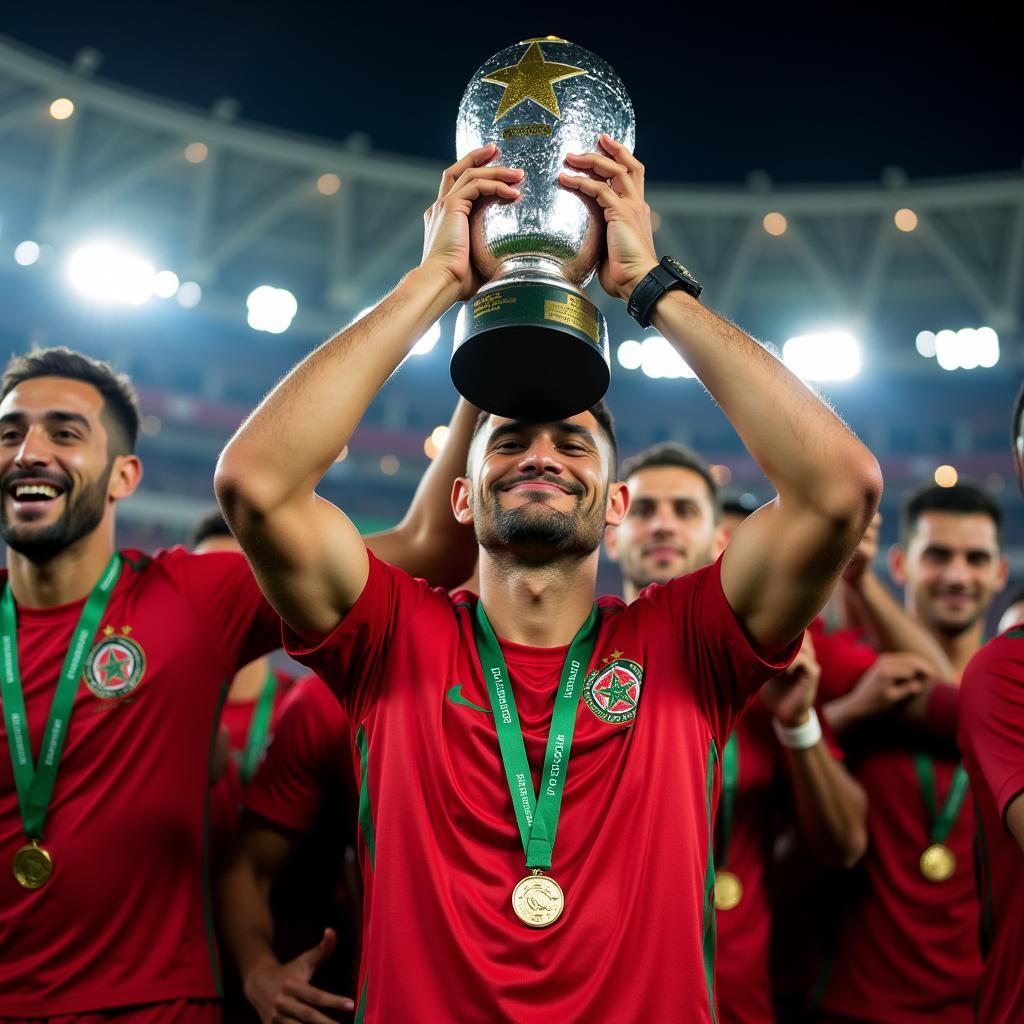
<point x="669" y="273"/>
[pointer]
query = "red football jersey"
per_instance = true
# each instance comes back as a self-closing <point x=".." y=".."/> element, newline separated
<point x="742" y="964"/>
<point x="306" y="787"/>
<point x="907" y="952"/>
<point x="125" y="918"/>
<point x="991" y="722"/>
<point x="440" y="846"/>
<point x="237" y="714"/>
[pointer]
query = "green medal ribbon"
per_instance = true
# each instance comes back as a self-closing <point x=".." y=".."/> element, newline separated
<point x="537" y="815"/>
<point x="940" y="820"/>
<point x="259" y="728"/>
<point x="730" y="780"/>
<point x="35" y="784"/>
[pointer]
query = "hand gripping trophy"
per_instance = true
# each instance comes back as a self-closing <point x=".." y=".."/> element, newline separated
<point x="530" y="344"/>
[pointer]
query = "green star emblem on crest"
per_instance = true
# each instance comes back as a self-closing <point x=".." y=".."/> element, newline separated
<point x="617" y="692"/>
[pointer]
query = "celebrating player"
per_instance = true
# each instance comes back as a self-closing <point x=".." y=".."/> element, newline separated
<point x="490" y="898"/>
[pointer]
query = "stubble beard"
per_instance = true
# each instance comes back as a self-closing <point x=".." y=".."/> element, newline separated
<point x="538" y="537"/>
<point x="83" y="512"/>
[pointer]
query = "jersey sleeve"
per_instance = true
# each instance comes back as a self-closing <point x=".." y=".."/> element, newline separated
<point x="843" y="657"/>
<point x="349" y="658"/>
<point x="992" y="715"/>
<point x="719" y="657"/>
<point x="240" y="624"/>
<point x="309" y="745"/>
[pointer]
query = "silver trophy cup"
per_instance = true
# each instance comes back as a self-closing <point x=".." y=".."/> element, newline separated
<point x="531" y="344"/>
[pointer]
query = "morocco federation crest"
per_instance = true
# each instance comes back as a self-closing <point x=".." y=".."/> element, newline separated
<point x="612" y="692"/>
<point x="115" y="667"/>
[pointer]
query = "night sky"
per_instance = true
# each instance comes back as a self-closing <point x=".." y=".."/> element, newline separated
<point x="804" y="96"/>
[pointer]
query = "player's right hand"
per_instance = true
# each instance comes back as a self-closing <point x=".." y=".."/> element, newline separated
<point x="864" y="557"/>
<point x="446" y="221"/>
<point x="894" y="679"/>
<point x="282" y="994"/>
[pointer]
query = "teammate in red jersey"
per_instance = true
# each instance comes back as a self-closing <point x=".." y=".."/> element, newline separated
<point x="907" y="951"/>
<point x="991" y="715"/>
<point x="114" y="669"/>
<point x="290" y="879"/>
<point x="673" y="526"/>
<point x="453" y="928"/>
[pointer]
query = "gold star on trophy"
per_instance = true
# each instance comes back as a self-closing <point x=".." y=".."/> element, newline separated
<point x="531" y="79"/>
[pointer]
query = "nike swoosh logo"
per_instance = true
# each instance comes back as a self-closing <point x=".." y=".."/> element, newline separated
<point x="455" y="696"/>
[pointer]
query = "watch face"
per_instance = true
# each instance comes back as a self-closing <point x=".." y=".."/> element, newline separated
<point x="678" y="266"/>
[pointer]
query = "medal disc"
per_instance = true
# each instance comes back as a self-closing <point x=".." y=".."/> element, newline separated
<point x="538" y="901"/>
<point x="32" y="866"/>
<point x="728" y="890"/>
<point x="938" y="863"/>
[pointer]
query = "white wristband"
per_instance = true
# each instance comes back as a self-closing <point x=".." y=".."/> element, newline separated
<point x="799" y="737"/>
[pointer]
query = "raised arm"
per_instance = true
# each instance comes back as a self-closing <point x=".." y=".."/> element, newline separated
<point x="831" y="806"/>
<point x="430" y="542"/>
<point x="784" y="560"/>
<point x="307" y="555"/>
<point x="869" y="605"/>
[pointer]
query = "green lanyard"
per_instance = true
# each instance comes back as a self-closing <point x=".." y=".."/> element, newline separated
<point x="537" y="815"/>
<point x="730" y="780"/>
<point x="35" y="784"/>
<point x="259" y="728"/>
<point x="940" y="821"/>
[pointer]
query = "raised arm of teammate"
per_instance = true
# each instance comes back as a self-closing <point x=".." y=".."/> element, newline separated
<point x="831" y="806"/>
<point x="783" y="560"/>
<point x="429" y="541"/>
<point x="869" y="605"/>
<point x="307" y="555"/>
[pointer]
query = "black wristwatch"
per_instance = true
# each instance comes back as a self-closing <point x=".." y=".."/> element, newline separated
<point x="669" y="273"/>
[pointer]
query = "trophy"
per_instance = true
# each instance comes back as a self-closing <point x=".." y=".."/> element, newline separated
<point x="530" y="344"/>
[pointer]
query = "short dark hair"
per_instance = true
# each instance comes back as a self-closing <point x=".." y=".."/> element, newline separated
<point x="961" y="499"/>
<point x="600" y="412"/>
<point x="1015" y="424"/>
<point x="210" y="524"/>
<point x="120" y="403"/>
<point x="671" y="453"/>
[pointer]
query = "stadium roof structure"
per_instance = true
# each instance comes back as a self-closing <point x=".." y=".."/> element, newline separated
<point x="231" y="205"/>
<point x="250" y="210"/>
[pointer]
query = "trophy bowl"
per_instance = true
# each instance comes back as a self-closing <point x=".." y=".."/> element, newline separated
<point x="531" y="344"/>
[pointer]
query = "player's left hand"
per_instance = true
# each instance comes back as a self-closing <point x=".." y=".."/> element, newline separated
<point x="790" y="695"/>
<point x="616" y="181"/>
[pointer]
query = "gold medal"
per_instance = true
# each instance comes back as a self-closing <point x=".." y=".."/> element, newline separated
<point x="728" y="890"/>
<point x="32" y="866"/>
<point x="538" y="900"/>
<point x="938" y="863"/>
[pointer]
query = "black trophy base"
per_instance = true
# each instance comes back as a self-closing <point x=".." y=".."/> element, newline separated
<point x="531" y="351"/>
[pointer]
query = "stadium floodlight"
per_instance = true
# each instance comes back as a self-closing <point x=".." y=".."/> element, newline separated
<point x="107" y="272"/>
<point x="659" y="359"/>
<point x="26" y="253"/>
<point x="428" y="341"/>
<point x="832" y="355"/>
<point x="165" y="284"/>
<point x="630" y="354"/>
<point x="925" y="344"/>
<point x="189" y="294"/>
<point x="271" y="309"/>
<point x="967" y="349"/>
